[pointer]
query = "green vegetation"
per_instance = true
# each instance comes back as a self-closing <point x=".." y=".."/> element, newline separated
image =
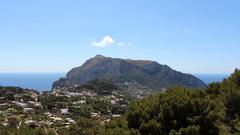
<point x="180" y="111"/>
<point x="146" y="73"/>
<point x="26" y="131"/>
<point x="100" y="86"/>
<point x="177" y="111"/>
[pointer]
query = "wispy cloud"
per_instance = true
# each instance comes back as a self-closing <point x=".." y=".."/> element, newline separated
<point x="108" y="41"/>
<point x="123" y="44"/>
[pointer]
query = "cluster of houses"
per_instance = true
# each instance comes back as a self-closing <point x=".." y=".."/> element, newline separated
<point x="17" y="109"/>
<point x="115" y="98"/>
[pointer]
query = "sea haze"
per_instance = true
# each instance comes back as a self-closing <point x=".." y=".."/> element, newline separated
<point x="36" y="81"/>
<point x="43" y="81"/>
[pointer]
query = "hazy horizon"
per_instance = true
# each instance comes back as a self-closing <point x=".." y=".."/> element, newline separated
<point x="44" y="81"/>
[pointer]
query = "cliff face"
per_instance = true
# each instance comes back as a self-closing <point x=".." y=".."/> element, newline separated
<point x="147" y="73"/>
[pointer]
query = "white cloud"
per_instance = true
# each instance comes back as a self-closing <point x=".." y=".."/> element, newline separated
<point x="106" y="41"/>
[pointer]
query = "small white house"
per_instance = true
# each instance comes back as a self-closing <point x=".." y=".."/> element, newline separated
<point x="116" y="115"/>
<point x="80" y="102"/>
<point x="64" y="111"/>
<point x="95" y="115"/>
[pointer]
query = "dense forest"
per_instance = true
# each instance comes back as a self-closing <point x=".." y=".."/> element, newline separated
<point x="177" y="111"/>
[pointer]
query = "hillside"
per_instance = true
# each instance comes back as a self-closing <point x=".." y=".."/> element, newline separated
<point x="121" y="71"/>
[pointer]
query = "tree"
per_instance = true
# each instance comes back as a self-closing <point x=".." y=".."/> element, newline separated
<point x="177" y="109"/>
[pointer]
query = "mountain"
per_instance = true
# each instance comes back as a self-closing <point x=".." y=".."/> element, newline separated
<point x="121" y="71"/>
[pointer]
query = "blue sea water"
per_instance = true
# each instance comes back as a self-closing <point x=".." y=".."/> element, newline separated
<point x="43" y="81"/>
<point x="209" y="78"/>
<point x="36" y="81"/>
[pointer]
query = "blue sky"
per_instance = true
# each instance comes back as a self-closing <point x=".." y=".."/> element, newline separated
<point x="55" y="35"/>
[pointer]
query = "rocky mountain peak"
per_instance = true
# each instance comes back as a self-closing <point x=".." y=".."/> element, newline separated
<point x="144" y="72"/>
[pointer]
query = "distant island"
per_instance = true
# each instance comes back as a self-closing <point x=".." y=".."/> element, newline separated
<point x="133" y="76"/>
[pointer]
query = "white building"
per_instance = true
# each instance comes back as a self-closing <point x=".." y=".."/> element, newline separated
<point x="64" y="111"/>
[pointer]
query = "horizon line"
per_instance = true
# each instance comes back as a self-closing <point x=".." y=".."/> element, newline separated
<point x="40" y="72"/>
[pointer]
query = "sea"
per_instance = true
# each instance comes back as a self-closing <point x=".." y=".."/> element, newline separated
<point x="36" y="81"/>
<point x="44" y="81"/>
<point x="209" y="78"/>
